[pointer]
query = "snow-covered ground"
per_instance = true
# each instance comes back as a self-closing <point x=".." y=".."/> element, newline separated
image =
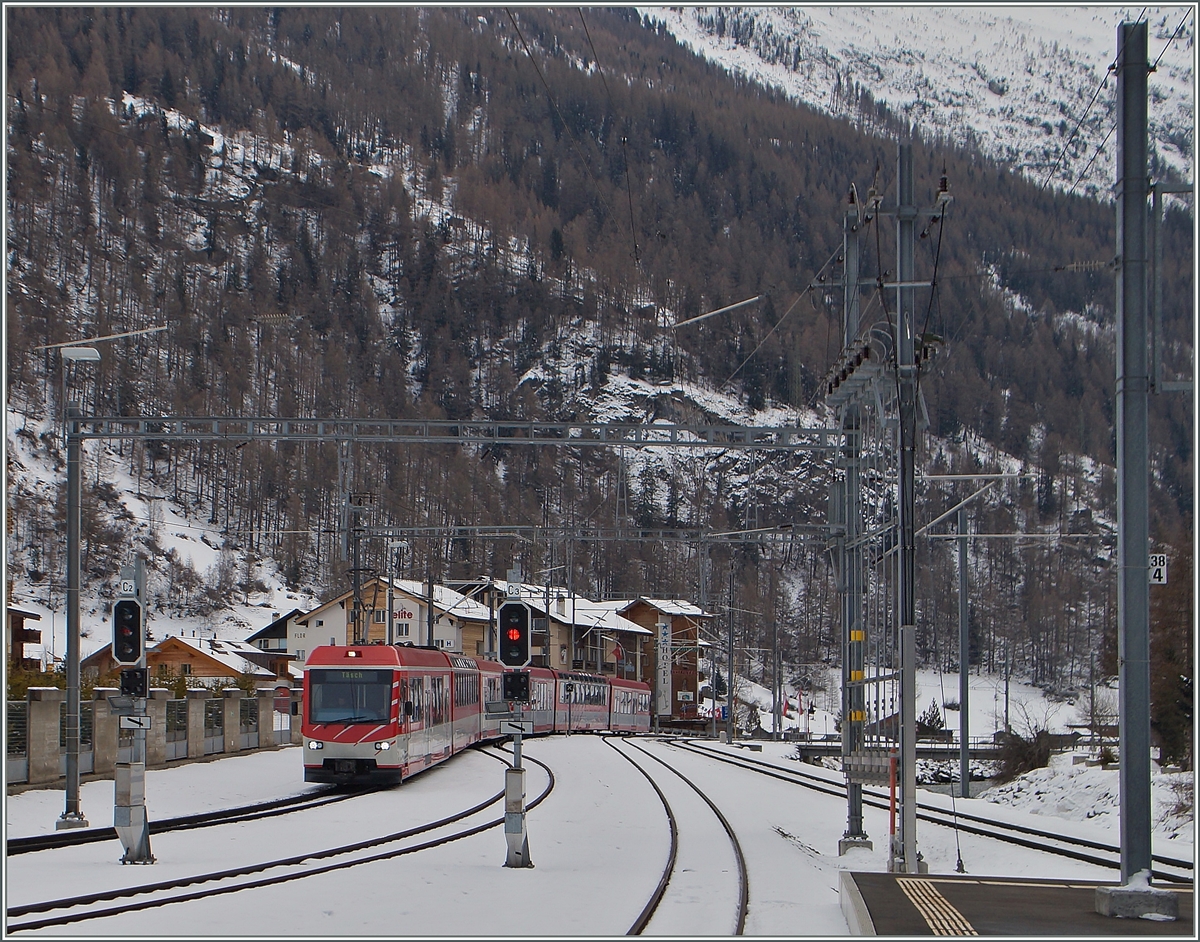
<point x="598" y="843"/>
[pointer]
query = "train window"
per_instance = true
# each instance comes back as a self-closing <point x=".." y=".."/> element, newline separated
<point x="349" y="696"/>
<point x="466" y="689"/>
<point x="417" y="688"/>
<point x="437" y="700"/>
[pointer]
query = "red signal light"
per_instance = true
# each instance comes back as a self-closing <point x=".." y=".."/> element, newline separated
<point x="514" y="634"/>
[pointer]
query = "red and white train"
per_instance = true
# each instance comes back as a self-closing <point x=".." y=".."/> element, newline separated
<point x="378" y="714"/>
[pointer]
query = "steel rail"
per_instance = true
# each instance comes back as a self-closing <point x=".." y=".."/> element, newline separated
<point x="265" y="809"/>
<point x="743" y="875"/>
<point x="258" y="868"/>
<point x="933" y="815"/>
<point x="648" y="910"/>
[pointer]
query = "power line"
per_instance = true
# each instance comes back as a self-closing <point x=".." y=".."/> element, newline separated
<point x="553" y="104"/>
<point x="1174" y="36"/>
<point x="1099" y="151"/>
<point x="1112" y="67"/>
<point x="1103" y="83"/>
<point x="791" y="307"/>
<point x="624" y="139"/>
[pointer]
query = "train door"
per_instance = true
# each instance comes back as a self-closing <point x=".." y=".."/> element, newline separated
<point x="437" y="716"/>
<point x="402" y="720"/>
<point x="418" y="738"/>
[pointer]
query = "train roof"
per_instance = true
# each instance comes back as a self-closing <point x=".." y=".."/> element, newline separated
<point x="376" y="655"/>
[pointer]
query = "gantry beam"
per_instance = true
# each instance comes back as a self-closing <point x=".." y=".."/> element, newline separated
<point x="444" y="432"/>
<point x="539" y="534"/>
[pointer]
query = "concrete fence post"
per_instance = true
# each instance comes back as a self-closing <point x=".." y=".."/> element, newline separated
<point x="232" y="706"/>
<point x="105" y="729"/>
<point x="195" y="723"/>
<point x="297" y="706"/>
<point x="42" y="749"/>
<point x="156" y="736"/>
<point x="266" y="717"/>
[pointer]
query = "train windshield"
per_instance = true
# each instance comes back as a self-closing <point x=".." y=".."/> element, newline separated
<point x="349" y="696"/>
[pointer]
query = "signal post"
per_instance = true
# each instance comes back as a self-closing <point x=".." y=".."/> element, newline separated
<point x="514" y="618"/>
<point x="129" y="650"/>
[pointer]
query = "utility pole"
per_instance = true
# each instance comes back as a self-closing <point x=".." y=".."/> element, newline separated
<point x="906" y="380"/>
<point x="846" y="514"/>
<point x="729" y="722"/>
<point x="1133" y="519"/>
<point x="964" y="661"/>
<point x="72" y="816"/>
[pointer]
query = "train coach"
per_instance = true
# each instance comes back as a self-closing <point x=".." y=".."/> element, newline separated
<point x="378" y="714"/>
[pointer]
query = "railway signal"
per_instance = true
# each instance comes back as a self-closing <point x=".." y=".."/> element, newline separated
<point x="128" y="632"/>
<point x="135" y="682"/>
<point x="514" y="685"/>
<point x="514" y="634"/>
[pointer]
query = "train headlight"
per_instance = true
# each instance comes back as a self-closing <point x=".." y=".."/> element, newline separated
<point x="313" y="744"/>
<point x="383" y="745"/>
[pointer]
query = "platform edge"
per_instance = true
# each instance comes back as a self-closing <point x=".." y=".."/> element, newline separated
<point x="854" y="907"/>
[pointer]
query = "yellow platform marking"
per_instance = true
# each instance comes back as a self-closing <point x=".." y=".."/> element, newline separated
<point x="935" y="909"/>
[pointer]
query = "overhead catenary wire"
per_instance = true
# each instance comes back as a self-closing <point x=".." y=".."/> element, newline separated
<point x="1112" y="68"/>
<point x="554" y="104"/>
<point x="1103" y="84"/>
<point x="624" y="140"/>
<point x="791" y="307"/>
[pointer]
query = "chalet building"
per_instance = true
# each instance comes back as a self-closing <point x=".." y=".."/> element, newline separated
<point x="684" y="620"/>
<point x="274" y="637"/>
<point x="207" y="660"/>
<point x="459" y="623"/>
<point x="569" y="632"/>
<point x="16" y="636"/>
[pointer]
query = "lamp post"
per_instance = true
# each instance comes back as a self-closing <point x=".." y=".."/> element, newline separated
<point x="72" y="816"/>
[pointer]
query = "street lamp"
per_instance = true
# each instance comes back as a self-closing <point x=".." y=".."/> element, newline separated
<point x="72" y="816"/>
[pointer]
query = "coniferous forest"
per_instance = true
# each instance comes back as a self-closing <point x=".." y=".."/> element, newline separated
<point x="443" y="213"/>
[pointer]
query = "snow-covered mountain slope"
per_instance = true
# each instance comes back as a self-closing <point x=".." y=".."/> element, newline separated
<point x="1028" y="85"/>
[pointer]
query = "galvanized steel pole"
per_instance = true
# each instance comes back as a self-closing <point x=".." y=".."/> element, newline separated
<point x="964" y="661"/>
<point x="72" y="816"/>
<point x="1132" y="387"/>
<point x="906" y="213"/>
<point x="853" y="633"/>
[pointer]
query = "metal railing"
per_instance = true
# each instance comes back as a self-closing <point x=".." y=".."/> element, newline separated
<point x="214" y="726"/>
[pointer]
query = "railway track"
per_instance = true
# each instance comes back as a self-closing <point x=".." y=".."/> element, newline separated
<point x="652" y="907"/>
<point x="1170" y="869"/>
<point x="265" y="809"/>
<point x="153" y="895"/>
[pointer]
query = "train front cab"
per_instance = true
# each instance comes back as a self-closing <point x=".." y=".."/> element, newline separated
<point x="351" y="718"/>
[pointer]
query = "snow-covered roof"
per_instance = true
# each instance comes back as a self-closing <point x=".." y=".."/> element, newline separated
<point x="450" y="602"/>
<point x="671" y="607"/>
<point x="228" y="653"/>
<point x="606" y="616"/>
<point x="583" y="612"/>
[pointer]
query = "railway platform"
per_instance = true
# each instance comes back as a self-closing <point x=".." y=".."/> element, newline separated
<point x="897" y="904"/>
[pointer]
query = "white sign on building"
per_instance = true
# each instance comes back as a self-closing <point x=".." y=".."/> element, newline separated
<point x="663" y="660"/>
